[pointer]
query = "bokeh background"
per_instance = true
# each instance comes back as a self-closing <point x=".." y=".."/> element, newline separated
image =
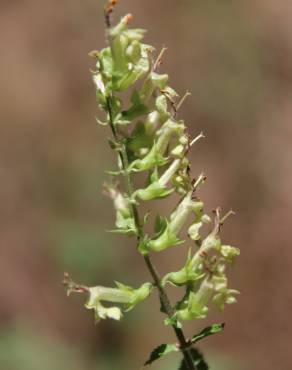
<point x="235" y="57"/>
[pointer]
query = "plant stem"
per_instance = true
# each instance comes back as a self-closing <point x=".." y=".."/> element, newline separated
<point x="165" y="302"/>
<point x="169" y="310"/>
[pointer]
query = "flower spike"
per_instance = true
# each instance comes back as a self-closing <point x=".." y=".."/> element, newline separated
<point x="150" y="140"/>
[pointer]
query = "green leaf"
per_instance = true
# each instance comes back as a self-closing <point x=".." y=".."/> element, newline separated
<point x="161" y="351"/>
<point x="198" y="360"/>
<point x="210" y="330"/>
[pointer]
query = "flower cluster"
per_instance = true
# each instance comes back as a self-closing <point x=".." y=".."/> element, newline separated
<point x="204" y="275"/>
<point x="149" y="137"/>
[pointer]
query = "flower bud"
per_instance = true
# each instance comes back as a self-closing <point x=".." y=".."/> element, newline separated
<point x="229" y="253"/>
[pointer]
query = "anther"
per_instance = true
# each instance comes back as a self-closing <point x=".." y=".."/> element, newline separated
<point x="180" y="103"/>
<point x="158" y="61"/>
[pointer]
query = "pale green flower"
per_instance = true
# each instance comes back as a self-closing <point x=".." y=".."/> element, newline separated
<point x="124" y="295"/>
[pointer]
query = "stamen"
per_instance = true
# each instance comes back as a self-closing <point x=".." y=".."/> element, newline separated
<point x="200" y="136"/>
<point x="199" y="181"/>
<point x="182" y="100"/>
<point x="158" y="61"/>
<point x="228" y="214"/>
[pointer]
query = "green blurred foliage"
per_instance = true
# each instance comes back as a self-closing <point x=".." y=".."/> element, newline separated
<point x="82" y="249"/>
<point x="23" y="349"/>
<point x="227" y="78"/>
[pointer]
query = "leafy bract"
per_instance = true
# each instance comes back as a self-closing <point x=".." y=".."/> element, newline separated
<point x="161" y="351"/>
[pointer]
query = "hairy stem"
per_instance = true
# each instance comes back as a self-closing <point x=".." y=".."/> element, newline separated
<point x="165" y="302"/>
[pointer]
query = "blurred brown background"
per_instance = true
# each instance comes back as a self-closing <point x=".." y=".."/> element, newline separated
<point x="236" y="58"/>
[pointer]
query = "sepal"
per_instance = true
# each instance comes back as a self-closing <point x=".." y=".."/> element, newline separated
<point x="167" y="239"/>
<point x="186" y="275"/>
<point x="153" y="191"/>
<point x="136" y="295"/>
